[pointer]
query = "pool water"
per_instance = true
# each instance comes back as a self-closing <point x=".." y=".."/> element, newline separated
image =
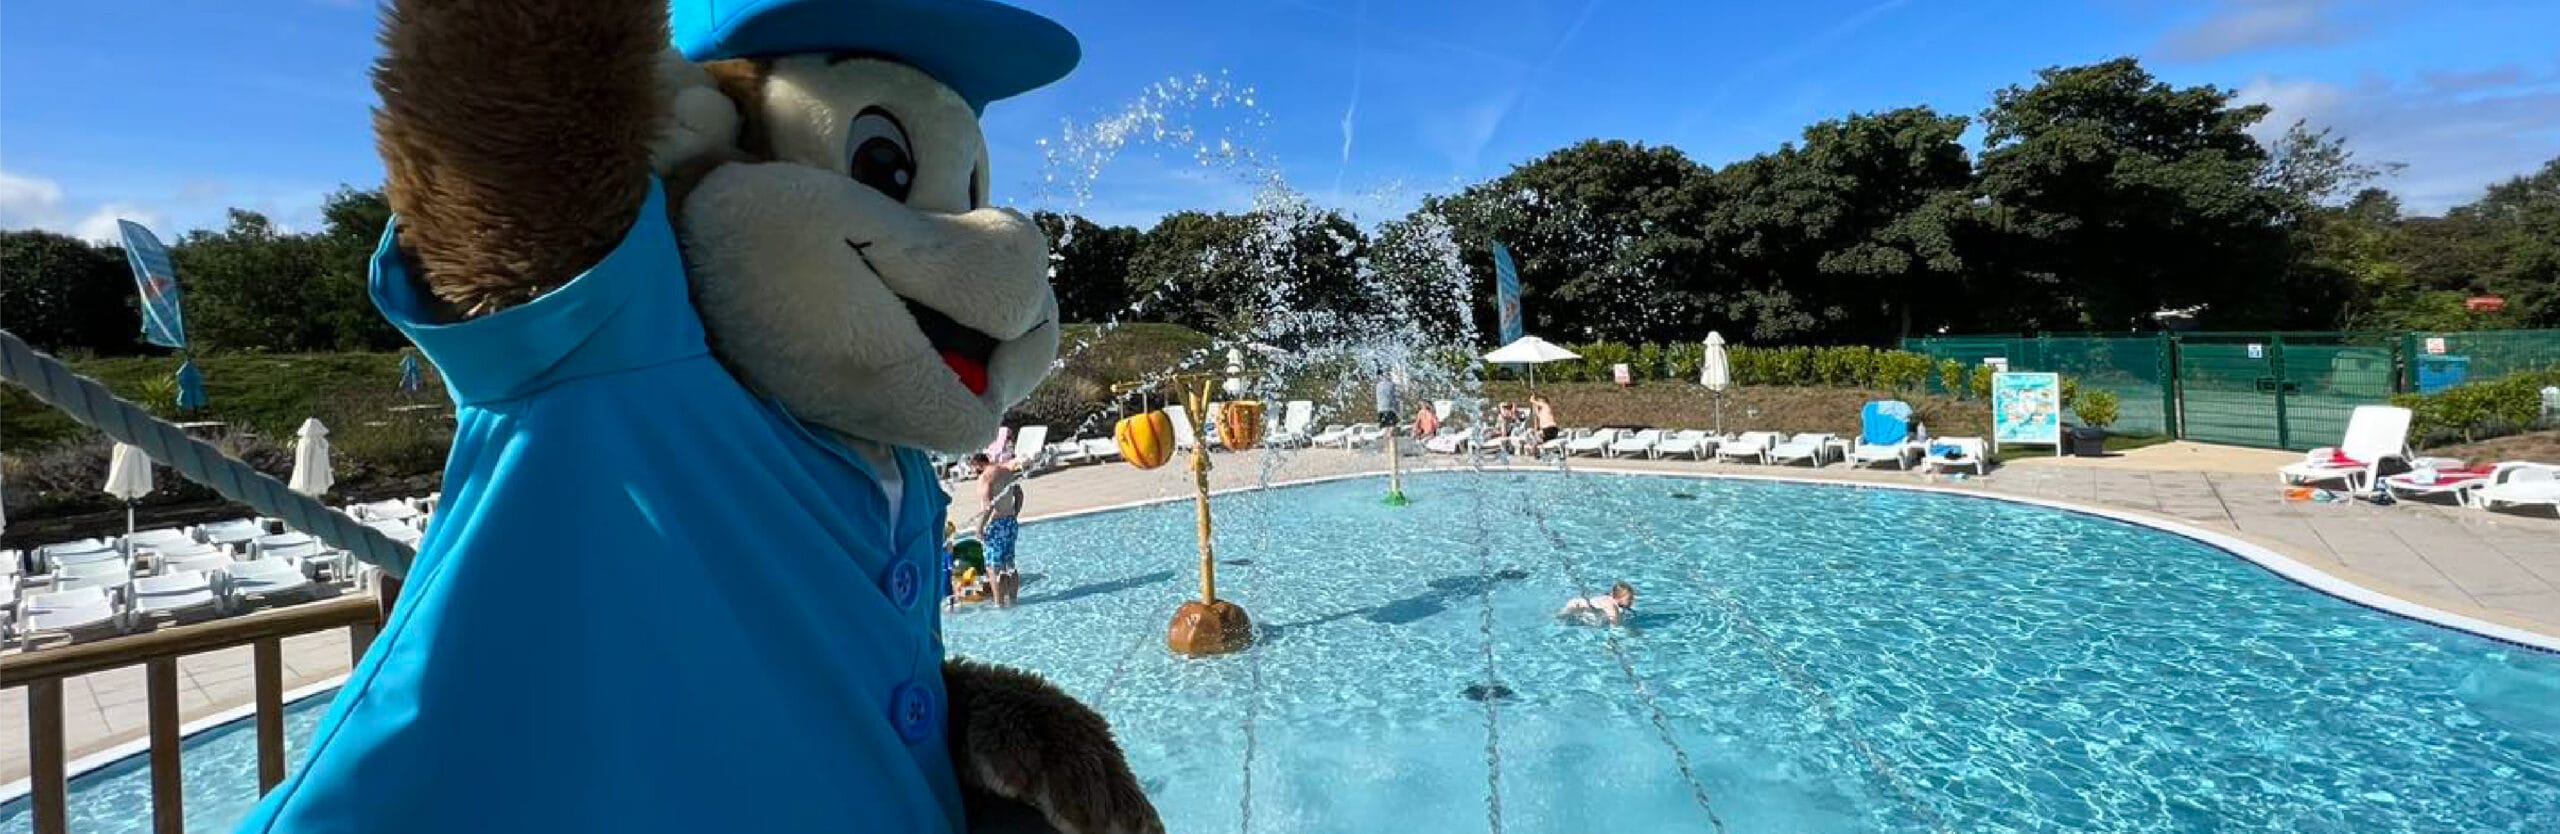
<point x="218" y="766"/>
<point x="1805" y="658"/>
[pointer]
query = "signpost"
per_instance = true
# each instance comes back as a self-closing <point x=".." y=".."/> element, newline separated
<point x="2026" y="408"/>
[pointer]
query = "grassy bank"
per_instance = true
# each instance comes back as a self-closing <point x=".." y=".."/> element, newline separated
<point x="383" y="441"/>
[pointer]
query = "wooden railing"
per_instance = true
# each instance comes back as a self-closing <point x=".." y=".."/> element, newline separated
<point x="42" y="672"/>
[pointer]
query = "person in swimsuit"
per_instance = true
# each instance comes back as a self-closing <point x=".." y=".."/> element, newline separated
<point x="1000" y="493"/>
<point x="1544" y="415"/>
<point x="1611" y="608"/>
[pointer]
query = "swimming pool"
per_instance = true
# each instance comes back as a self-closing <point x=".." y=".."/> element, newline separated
<point x="218" y="766"/>
<point x="1807" y="658"/>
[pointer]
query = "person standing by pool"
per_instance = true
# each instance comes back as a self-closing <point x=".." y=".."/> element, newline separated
<point x="1544" y="415"/>
<point x="1000" y="495"/>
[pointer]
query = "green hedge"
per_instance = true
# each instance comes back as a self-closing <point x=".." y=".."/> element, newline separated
<point x="1825" y="367"/>
<point x="2479" y="410"/>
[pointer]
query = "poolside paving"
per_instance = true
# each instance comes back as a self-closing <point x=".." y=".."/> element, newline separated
<point x="2498" y="567"/>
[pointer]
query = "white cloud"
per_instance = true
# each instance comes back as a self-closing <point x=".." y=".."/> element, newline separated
<point x="28" y="202"/>
<point x="2242" y="26"/>
<point x="2457" y="132"/>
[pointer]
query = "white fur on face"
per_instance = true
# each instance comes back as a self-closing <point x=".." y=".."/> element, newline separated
<point x="804" y="274"/>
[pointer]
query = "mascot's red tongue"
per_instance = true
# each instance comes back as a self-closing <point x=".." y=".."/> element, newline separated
<point x="973" y="373"/>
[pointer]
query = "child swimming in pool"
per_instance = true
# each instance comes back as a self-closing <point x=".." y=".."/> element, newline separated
<point x="1609" y="609"/>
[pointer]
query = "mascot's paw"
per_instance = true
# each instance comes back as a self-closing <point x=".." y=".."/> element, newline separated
<point x="1015" y="737"/>
<point x="697" y="121"/>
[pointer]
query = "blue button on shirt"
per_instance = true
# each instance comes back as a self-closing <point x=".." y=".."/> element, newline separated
<point x="652" y="602"/>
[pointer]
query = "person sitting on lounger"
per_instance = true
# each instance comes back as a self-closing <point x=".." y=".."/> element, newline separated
<point x="1611" y="608"/>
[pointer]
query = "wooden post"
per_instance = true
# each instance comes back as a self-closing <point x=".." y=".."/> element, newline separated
<point x="267" y="665"/>
<point x="168" y="792"/>
<point x="48" y="787"/>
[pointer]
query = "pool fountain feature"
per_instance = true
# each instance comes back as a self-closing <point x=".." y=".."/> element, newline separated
<point x="1209" y="625"/>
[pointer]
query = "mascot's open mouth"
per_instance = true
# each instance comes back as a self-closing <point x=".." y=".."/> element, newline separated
<point x="965" y="350"/>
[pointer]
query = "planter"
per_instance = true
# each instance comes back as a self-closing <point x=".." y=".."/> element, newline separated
<point x="2085" y="441"/>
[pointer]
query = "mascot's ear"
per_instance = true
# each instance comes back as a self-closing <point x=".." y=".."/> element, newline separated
<point x="699" y="124"/>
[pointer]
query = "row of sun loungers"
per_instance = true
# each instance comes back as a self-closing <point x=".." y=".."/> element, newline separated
<point x="114" y="585"/>
<point x="2375" y="459"/>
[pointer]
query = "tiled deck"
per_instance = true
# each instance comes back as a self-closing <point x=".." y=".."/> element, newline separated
<point x="2502" y="568"/>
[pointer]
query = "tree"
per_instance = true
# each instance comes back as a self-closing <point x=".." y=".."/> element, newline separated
<point x="2122" y="195"/>
<point x="61" y="294"/>
<point x="2519" y="226"/>
<point x="1606" y="235"/>
<point x="251" y="286"/>
<point x="1865" y="215"/>
<point x="1089" y="266"/>
<point x="1240" y="274"/>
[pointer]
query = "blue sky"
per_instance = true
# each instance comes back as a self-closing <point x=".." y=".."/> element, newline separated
<point x="168" y="111"/>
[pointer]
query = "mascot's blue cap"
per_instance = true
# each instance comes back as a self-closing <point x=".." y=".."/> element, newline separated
<point x="982" y="49"/>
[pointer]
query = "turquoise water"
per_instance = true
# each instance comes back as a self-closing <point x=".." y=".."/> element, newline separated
<point x="219" y="768"/>
<point x="1804" y="659"/>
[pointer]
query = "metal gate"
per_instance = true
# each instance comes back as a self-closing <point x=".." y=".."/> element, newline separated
<point x="2273" y="391"/>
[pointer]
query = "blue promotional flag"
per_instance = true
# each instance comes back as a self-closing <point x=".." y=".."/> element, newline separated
<point x="153" y="273"/>
<point x="190" y="386"/>
<point x="411" y="376"/>
<point x="1506" y="285"/>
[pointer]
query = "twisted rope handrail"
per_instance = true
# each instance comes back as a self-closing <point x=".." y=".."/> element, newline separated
<point x="96" y="407"/>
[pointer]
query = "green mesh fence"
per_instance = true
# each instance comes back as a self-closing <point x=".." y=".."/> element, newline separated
<point x="2436" y="361"/>
<point x="2135" y="368"/>
<point x="2264" y="389"/>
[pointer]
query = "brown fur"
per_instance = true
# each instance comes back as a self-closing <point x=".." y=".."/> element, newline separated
<point x="516" y="139"/>
<point x="742" y="80"/>
<point x="1017" y="737"/>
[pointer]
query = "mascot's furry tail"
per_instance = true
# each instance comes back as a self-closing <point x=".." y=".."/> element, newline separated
<point x="91" y="404"/>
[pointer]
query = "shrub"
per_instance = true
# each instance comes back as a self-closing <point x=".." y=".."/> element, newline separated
<point x="1898" y="370"/>
<point x="2097" y="409"/>
<point x="1981" y="384"/>
<point x="2479" y="410"/>
<point x="1951" y="377"/>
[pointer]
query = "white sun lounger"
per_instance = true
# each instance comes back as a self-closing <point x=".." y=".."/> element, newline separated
<point x="391" y="510"/>
<point x="76" y="575"/>
<point x="1031" y="448"/>
<point x="1694" y="444"/>
<point x="1454" y="441"/>
<point x="2376" y="434"/>
<point x="238" y="531"/>
<point x="1970" y="452"/>
<point x="1634" y="444"/>
<point x="1296" y="416"/>
<point x="1101" y="449"/>
<point x="208" y="560"/>
<point x="68" y="612"/>
<point x="1752" y="445"/>
<point x="1811" y="447"/>
<point x="2437" y="477"/>
<point x="173" y="594"/>
<point x="158" y="539"/>
<point x="256" y="579"/>
<point x="1185" y="432"/>
<point x="1595" y="443"/>
<point x="2520" y="485"/>
<point x="1067" y="453"/>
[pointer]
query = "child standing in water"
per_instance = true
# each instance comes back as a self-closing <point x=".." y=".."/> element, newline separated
<point x="1611" y="608"/>
<point x="1000" y="493"/>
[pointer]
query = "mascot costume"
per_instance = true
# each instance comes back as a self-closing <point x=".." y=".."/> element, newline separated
<point x="704" y="282"/>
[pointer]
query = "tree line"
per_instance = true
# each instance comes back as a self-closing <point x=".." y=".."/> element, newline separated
<point x="2100" y="195"/>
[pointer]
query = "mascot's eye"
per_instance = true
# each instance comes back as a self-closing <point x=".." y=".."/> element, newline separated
<point x="877" y="154"/>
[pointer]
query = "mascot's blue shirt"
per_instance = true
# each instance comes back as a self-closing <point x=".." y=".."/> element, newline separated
<point x="651" y="601"/>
